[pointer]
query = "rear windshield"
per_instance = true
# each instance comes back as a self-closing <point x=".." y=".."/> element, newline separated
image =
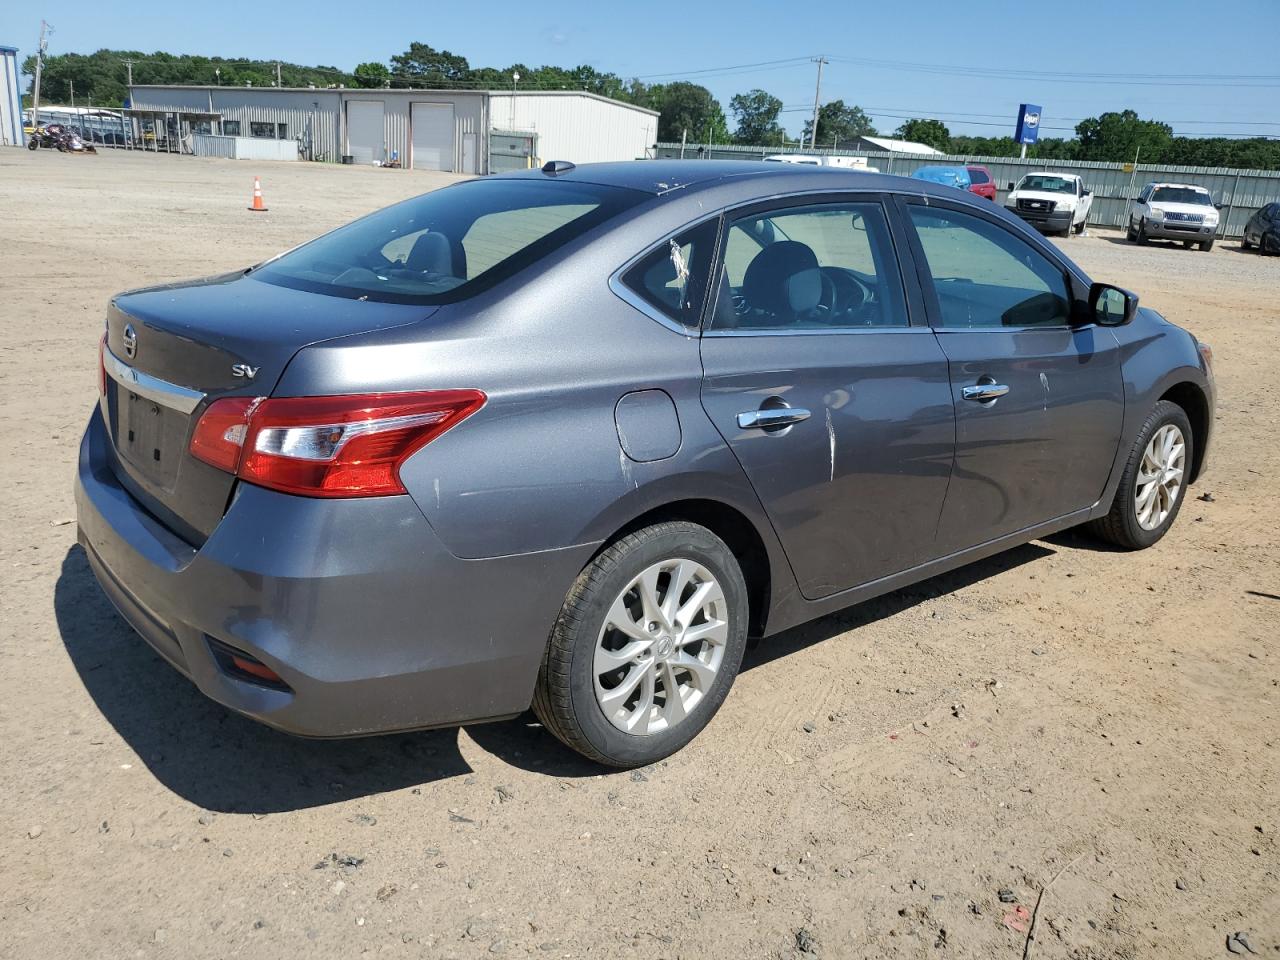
<point x="1180" y="195"/>
<point x="978" y="176"/>
<point x="450" y="244"/>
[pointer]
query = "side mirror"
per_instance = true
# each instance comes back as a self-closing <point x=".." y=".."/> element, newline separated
<point x="1139" y="200"/>
<point x="1217" y="206"/>
<point x="1088" y="193"/>
<point x="1112" y="306"/>
<point x="1011" y="185"/>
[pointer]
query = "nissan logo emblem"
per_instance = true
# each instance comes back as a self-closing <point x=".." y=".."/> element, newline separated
<point x="130" y="340"/>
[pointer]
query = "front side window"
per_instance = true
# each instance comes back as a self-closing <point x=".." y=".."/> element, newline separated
<point x="672" y="278"/>
<point x="810" y="268"/>
<point x="985" y="276"/>
<point x="448" y="244"/>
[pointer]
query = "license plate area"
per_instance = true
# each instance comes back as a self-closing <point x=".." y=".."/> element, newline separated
<point x="149" y="436"/>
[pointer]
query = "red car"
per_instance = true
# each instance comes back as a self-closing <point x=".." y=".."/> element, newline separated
<point x="981" y="182"/>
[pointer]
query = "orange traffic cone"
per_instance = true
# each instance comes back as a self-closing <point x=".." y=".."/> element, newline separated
<point x="257" y="206"/>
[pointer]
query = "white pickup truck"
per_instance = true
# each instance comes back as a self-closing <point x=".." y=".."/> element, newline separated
<point x="1173" y="211"/>
<point x="1053" y="202"/>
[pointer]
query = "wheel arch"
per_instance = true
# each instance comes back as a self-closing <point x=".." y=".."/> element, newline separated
<point x="1191" y="398"/>
<point x="738" y="532"/>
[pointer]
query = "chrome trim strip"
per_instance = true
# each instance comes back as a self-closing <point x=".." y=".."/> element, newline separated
<point x="182" y="399"/>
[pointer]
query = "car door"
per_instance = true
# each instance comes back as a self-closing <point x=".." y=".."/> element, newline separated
<point x="1038" y="398"/>
<point x="837" y="404"/>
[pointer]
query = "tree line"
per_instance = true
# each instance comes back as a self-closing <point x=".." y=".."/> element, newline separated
<point x="685" y="109"/>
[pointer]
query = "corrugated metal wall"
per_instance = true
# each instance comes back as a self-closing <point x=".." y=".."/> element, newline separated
<point x="1241" y="192"/>
<point x="577" y="127"/>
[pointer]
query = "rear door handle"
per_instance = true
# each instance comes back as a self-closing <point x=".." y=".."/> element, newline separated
<point x="984" y="391"/>
<point x="771" y="417"/>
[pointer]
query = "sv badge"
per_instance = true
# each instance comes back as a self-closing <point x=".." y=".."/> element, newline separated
<point x="244" y="370"/>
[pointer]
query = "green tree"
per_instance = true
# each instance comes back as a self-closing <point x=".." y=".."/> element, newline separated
<point x="933" y="133"/>
<point x="756" y="113"/>
<point x="422" y="65"/>
<point x="1118" y="136"/>
<point x="684" y="106"/>
<point x="371" y="75"/>
<point x="840" y="123"/>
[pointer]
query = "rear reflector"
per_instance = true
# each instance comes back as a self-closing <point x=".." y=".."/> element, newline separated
<point x="350" y="446"/>
<point x="240" y="665"/>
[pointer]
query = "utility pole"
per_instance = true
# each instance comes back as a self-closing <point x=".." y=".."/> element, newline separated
<point x="128" y="65"/>
<point x="817" y="99"/>
<point x="35" y="86"/>
<point x="278" y="83"/>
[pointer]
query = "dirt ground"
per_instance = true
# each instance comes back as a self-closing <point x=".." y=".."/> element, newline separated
<point x="1096" y="725"/>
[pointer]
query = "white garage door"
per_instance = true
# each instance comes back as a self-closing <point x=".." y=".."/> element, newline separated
<point x="365" y="132"/>
<point x="432" y="125"/>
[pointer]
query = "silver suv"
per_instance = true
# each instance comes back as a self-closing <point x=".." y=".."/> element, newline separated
<point x="1174" y="211"/>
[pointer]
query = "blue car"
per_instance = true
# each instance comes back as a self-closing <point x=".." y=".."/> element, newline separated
<point x="957" y="177"/>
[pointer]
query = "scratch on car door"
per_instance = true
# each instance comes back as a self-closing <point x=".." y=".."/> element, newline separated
<point x="1044" y="382"/>
<point x="831" y="441"/>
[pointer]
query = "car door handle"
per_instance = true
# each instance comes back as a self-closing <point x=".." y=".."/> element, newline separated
<point x="768" y="417"/>
<point x="984" y="391"/>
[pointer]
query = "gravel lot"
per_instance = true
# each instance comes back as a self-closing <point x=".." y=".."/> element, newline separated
<point x="1064" y="713"/>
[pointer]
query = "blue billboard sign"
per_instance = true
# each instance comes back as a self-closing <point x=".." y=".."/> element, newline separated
<point x="1028" y="129"/>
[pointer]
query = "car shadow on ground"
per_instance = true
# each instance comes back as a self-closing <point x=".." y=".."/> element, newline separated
<point x="224" y="762"/>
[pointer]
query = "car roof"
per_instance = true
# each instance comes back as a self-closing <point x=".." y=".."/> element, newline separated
<point x="1184" y="186"/>
<point x="1052" y="173"/>
<point x="663" y="177"/>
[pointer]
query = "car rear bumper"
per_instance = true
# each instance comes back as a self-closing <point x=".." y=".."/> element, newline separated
<point x="371" y="623"/>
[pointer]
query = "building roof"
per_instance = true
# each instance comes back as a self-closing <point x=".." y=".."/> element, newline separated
<point x="397" y="91"/>
<point x="4" y="49"/>
<point x="901" y="146"/>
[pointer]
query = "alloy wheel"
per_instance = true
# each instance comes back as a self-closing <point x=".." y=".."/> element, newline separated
<point x="1160" y="476"/>
<point x="661" y="647"/>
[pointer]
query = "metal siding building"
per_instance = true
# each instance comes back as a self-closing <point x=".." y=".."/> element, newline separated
<point x="576" y="126"/>
<point x="10" y="101"/>
<point x="424" y="129"/>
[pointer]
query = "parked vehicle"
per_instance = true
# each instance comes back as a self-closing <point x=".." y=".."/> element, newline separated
<point x="957" y="177"/>
<point x="824" y="160"/>
<point x="981" y="182"/>
<point x="1263" y="230"/>
<point x="569" y="436"/>
<point x="1173" y="211"/>
<point x="1053" y="202"/>
<point x="58" y="137"/>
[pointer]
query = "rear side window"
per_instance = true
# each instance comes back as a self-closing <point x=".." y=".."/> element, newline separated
<point x="826" y="267"/>
<point x="449" y="244"/>
<point x="672" y="278"/>
<point x="985" y="276"/>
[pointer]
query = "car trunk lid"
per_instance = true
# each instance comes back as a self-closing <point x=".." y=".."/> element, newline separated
<point x="172" y="350"/>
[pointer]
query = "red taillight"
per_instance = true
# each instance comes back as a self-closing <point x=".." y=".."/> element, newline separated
<point x="327" y="446"/>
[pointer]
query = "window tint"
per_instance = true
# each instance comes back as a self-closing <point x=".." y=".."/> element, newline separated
<point x="822" y="267"/>
<point x="672" y="277"/>
<point x="986" y="276"/>
<point x="445" y="245"/>
<point x="977" y="176"/>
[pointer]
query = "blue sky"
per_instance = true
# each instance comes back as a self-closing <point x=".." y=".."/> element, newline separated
<point x="1088" y="44"/>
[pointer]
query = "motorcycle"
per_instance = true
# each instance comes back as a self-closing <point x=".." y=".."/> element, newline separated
<point x="58" y="137"/>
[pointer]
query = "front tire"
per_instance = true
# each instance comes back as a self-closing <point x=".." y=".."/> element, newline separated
<point x="1154" y="482"/>
<point x="1142" y="231"/>
<point x="646" y="647"/>
<point x="1206" y="246"/>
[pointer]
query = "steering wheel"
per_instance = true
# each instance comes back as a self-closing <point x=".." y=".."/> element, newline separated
<point x="847" y="294"/>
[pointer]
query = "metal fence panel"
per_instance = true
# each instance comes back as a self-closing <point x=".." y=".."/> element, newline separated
<point x="1240" y="192"/>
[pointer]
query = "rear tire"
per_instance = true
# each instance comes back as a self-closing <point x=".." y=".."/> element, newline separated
<point x="1130" y="524"/>
<point x="1244" y="243"/>
<point x="621" y="681"/>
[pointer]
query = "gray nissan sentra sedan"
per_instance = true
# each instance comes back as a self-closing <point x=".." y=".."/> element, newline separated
<point x="570" y="437"/>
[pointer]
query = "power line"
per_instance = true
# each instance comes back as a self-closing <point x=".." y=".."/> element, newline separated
<point x="1042" y="76"/>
